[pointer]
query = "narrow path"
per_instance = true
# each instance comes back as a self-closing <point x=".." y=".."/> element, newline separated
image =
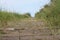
<point x="28" y="30"/>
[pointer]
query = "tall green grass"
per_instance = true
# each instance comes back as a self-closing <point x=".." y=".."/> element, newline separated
<point x="11" y="16"/>
<point x="51" y="14"/>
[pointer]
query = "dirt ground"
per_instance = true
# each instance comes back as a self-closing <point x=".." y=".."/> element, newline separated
<point x="28" y="30"/>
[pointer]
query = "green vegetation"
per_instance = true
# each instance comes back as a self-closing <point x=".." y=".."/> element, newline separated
<point x="9" y="16"/>
<point x="51" y="14"/>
